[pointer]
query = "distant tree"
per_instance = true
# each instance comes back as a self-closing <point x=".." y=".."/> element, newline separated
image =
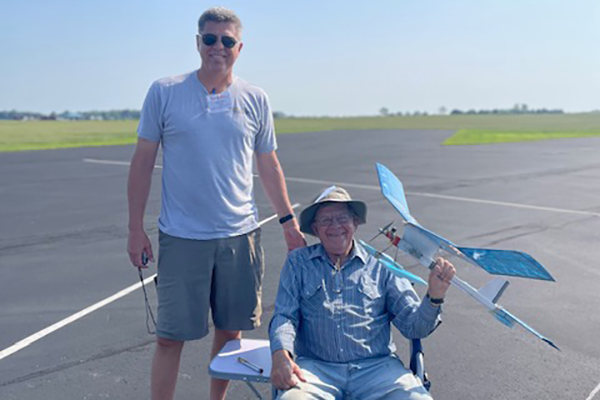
<point x="442" y="110"/>
<point x="384" y="111"/>
<point x="278" y="114"/>
<point x="516" y="109"/>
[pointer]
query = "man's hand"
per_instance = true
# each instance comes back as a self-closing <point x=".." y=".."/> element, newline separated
<point x="285" y="373"/>
<point x="137" y="244"/>
<point x="293" y="237"/>
<point x="439" y="278"/>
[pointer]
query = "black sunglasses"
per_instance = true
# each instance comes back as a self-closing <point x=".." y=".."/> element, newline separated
<point x="210" y="39"/>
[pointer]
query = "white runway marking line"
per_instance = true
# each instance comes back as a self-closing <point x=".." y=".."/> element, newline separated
<point x="594" y="392"/>
<point x="109" y="162"/>
<point x="432" y="195"/>
<point x="44" y="332"/>
<point x="502" y="203"/>
<point x="52" y="328"/>
<point x="456" y="198"/>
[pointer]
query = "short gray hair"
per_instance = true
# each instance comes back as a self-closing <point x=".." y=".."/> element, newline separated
<point x="219" y="14"/>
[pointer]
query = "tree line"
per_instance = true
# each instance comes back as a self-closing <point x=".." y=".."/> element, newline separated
<point x="110" y="115"/>
<point x="516" y="109"/>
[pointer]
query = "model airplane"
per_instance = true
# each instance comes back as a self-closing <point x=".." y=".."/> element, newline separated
<point x="424" y="246"/>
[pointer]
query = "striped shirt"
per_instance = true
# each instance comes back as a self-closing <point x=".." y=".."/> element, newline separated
<point x="343" y="316"/>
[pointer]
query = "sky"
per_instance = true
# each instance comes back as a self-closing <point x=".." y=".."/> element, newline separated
<point x="313" y="58"/>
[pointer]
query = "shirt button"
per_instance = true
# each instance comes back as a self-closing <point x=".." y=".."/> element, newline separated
<point x="341" y="350"/>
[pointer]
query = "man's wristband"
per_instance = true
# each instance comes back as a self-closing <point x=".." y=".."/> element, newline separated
<point x="436" y="302"/>
<point x="285" y="219"/>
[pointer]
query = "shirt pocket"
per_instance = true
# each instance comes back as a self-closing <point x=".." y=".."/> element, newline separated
<point x="310" y="289"/>
<point x="313" y="298"/>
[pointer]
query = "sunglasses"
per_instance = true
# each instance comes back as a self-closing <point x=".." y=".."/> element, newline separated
<point x="210" y="39"/>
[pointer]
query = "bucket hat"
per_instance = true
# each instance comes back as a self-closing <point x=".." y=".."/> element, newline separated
<point x="333" y="194"/>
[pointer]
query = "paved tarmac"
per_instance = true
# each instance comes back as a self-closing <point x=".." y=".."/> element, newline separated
<point x="64" y="229"/>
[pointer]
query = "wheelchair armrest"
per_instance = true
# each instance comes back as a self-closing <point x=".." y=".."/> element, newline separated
<point x="417" y="362"/>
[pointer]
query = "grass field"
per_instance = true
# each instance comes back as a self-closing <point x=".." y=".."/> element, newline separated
<point x="41" y="135"/>
<point x="471" y="129"/>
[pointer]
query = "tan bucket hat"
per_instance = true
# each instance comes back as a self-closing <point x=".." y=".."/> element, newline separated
<point x="333" y="194"/>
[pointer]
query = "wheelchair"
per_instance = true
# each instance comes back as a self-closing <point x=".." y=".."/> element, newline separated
<point x="249" y="360"/>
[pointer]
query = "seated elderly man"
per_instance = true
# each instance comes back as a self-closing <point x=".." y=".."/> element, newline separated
<point x="330" y="333"/>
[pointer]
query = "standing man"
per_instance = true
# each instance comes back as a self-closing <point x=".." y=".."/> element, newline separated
<point x="210" y="124"/>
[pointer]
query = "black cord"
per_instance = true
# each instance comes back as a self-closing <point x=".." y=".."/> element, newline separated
<point x="149" y="314"/>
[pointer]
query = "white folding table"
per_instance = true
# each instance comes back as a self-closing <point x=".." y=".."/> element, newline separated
<point x="226" y="364"/>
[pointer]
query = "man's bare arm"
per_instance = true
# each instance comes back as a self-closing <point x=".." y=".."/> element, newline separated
<point x="273" y="181"/>
<point x="138" y="190"/>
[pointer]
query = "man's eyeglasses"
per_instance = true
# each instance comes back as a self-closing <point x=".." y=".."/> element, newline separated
<point x="210" y="39"/>
<point x="342" y="219"/>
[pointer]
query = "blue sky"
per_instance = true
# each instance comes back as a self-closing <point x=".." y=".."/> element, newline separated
<point x="328" y="57"/>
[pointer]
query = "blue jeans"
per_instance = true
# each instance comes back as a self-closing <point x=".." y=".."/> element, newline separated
<point x="374" y="378"/>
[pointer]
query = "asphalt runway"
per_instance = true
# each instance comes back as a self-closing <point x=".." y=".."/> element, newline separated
<point x="64" y="229"/>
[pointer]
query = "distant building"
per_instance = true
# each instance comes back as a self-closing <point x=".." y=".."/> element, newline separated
<point x="69" y="116"/>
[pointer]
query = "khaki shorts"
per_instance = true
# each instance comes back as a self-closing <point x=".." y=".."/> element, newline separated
<point x="223" y="275"/>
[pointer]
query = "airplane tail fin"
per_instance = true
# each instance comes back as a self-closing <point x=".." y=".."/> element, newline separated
<point x="393" y="191"/>
<point x="494" y="289"/>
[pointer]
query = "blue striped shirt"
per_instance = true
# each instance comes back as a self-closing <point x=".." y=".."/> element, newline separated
<point x="343" y="316"/>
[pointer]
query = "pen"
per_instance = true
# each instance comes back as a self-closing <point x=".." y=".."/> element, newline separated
<point x="250" y="365"/>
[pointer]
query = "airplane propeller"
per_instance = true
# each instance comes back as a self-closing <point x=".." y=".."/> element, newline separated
<point x="382" y="231"/>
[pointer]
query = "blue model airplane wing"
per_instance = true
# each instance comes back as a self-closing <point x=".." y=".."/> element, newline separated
<point x="392" y="265"/>
<point x="392" y="189"/>
<point x="495" y="262"/>
<point x="507" y="262"/>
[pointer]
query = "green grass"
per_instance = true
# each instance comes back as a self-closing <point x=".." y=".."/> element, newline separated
<point x="472" y="129"/>
<point x="41" y="135"/>
<point x="512" y="123"/>
<point x="465" y="137"/>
